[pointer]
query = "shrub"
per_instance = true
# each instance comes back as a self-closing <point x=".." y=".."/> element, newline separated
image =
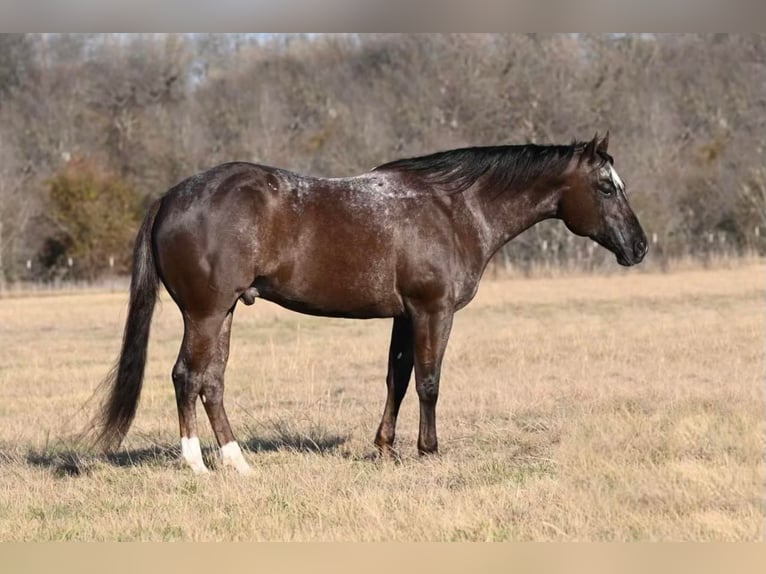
<point x="96" y="215"/>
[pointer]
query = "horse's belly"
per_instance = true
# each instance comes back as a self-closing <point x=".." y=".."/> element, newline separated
<point x="351" y="308"/>
<point x="372" y="311"/>
<point x="332" y="295"/>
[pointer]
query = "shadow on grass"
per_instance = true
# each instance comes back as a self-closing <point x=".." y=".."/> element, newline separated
<point x="62" y="464"/>
<point x="297" y="442"/>
<point x="67" y="461"/>
<point x="73" y="463"/>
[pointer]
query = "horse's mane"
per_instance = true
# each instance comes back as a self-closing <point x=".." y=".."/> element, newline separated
<point x="508" y="166"/>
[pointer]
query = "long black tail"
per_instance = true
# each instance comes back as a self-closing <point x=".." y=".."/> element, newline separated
<point x="123" y="383"/>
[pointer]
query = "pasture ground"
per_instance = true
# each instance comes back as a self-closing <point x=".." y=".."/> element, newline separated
<point x="627" y="407"/>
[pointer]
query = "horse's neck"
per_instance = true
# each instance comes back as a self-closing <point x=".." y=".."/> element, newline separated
<point x="504" y="214"/>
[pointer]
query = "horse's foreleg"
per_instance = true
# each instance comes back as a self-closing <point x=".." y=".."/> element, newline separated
<point x="400" y="357"/>
<point x="431" y="329"/>
<point x="212" y="399"/>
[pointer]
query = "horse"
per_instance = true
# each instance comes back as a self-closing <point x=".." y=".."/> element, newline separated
<point x="408" y="240"/>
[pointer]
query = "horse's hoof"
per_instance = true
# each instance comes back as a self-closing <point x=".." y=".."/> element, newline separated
<point x="388" y="453"/>
<point x="428" y="453"/>
<point x="232" y="457"/>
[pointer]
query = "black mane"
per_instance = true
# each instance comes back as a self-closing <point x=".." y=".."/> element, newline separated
<point x="508" y="165"/>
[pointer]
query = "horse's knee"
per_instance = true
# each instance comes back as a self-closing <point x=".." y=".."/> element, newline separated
<point x="428" y="388"/>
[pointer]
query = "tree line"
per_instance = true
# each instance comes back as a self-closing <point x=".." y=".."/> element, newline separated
<point x="92" y="127"/>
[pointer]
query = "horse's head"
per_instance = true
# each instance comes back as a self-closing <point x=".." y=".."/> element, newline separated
<point x="593" y="204"/>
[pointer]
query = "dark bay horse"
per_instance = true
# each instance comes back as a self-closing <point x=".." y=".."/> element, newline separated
<point x="408" y="240"/>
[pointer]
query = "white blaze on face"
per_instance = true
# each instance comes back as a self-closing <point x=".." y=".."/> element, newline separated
<point x="231" y="455"/>
<point x="192" y="454"/>
<point x="616" y="179"/>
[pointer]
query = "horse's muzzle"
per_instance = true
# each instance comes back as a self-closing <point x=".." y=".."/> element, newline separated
<point x="633" y="256"/>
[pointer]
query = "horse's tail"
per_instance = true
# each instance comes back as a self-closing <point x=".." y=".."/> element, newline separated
<point x="123" y="383"/>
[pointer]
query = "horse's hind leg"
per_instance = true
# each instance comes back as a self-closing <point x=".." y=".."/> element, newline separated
<point x="198" y="372"/>
<point x="197" y="349"/>
<point x="212" y="399"/>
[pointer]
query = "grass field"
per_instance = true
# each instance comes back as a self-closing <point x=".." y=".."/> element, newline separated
<point x="628" y="407"/>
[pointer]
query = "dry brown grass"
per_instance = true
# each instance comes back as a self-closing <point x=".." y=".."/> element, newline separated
<point x="627" y="407"/>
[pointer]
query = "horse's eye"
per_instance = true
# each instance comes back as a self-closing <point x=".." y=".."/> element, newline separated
<point x="606" y="189"/>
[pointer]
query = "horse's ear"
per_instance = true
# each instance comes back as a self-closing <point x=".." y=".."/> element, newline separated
<point x="589" y="153"/>
<point x="604" y="143"/>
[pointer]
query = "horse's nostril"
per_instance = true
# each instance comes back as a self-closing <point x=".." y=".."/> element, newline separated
<point x="639" y="248"/>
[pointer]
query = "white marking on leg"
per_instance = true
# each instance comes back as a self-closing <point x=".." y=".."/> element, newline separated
<point x="231" y="455"/>
<point x="192" y="454"/>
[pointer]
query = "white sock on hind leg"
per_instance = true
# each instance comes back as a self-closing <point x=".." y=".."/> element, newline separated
<point x="192" y="454"/>
<point x="232" y="456"/>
